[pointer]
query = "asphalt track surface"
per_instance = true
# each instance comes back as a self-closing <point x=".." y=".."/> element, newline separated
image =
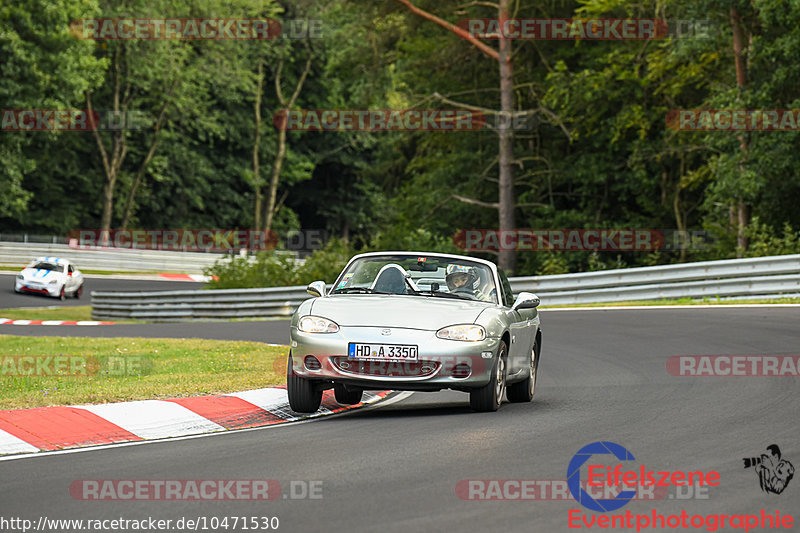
<point x="8" y="298"/>
<point x="394" y="467"/>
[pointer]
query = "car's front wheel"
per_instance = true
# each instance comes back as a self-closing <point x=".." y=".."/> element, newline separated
<point x="523" y="391"/>
<point x="490" y="396"/>
<point x="304" y="395"/>
<point x="346" y="396"/>
<point x="62" y="295"/>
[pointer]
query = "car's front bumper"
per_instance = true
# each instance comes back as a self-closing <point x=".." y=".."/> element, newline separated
<point x="442" y="364"/>
<point x="48" y="289"/>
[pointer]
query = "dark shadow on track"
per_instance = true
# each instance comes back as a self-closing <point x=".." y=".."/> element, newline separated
<point x="420" y="407"/>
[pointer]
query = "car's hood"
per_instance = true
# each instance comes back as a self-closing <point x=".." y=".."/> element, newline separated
<point x="417" y="312"/>
<point x="40" y="275"/>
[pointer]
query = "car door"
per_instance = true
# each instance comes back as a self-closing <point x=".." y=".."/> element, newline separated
<point x="519" y="327"/>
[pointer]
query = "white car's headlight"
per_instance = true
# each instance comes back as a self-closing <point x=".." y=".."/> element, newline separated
<point x="462" y="332"/>
<point x="20" y="277"/>
<point x="317" y="324"/>
<point x="53" y="281"/>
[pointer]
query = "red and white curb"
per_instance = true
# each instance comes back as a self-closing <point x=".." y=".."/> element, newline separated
<point x="12" y="322"/>
<point x="57" y="428"/>
<point x="187" y="277"/>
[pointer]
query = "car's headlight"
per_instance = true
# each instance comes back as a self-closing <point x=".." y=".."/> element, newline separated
<point x="53" y="281"/>
<point x="20" y="276"/>
<point x="462" y="332"/>
<point x="317" y="324"/>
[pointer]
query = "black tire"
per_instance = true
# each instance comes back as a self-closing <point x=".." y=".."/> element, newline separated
<point x="346" y="396"/>
<point x="490" y="396"/>
<point x="524" y="390"/>
<point x="62" y="295"/>
<point x="79" y="292"/>
<point x="304" y="395"/>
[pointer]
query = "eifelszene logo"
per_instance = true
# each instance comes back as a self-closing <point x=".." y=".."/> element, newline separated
<point x="774" y="473"/>
<point x="618" y="476"/>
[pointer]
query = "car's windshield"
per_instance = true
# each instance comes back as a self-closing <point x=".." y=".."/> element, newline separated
<point x="427" y="275"/>
<point x="49" y="266"/>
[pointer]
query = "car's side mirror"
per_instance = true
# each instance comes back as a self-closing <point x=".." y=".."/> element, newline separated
<point x="316" y="288"/>
<point x="526" y="300"/>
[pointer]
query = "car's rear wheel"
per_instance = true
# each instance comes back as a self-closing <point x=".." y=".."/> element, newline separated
<point x="490" y="396"/>
<point x="79" y="292"/>
<point x="523" y="391"/>
<point x="304" y="395"/>
<point x="346" y="396"/>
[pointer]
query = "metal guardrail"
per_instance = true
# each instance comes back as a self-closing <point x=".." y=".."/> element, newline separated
<point x="198" y="304"/>
<point x="767" y="276"/>
<point x="757" y="276"/>
<point x="19" y="254"/>
<point x="32" y="238"/>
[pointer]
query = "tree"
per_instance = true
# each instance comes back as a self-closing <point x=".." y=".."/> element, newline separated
<point x="44" y="67"/>
<point x="503" y="56"/>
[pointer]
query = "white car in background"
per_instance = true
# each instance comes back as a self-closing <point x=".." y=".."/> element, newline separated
<point x="51" y="276"/>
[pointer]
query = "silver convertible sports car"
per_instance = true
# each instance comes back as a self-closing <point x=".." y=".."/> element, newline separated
<point x="419" y="322"/>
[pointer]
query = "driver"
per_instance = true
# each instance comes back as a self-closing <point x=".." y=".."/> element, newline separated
<point x="461" y="278"/>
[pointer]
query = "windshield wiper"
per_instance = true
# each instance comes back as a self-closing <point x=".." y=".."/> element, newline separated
<point x="345" y="290"/>
<point x="445" y="295"/>
<point x="361" y="290"/>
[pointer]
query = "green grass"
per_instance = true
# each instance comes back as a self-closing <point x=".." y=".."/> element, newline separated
<point x="83" y="312"/>
<point x="685" y="301"/>
<point x="122" y="368"/>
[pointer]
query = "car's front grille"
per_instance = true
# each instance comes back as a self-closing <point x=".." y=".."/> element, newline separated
<point x="398" y="369"/>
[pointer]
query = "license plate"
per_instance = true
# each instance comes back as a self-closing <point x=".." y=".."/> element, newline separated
<point x="393" y="352"/>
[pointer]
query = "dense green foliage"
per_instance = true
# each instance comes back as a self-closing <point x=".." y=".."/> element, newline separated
<point x="270" y="269"/>
<point x="598" y="154"/>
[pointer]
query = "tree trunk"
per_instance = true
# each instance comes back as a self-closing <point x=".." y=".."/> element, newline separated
<point x="126" y="218"/>
<point x="108" y="205"/>
<point x="743" y="210"/>
<point x="111" y="162"/>
<point x="743" y="216"/>
<point x="272" y="195"/>
<point x="273" y="184"/>
<point x="506" y="259"/>
<point x="256" y="145"/>
<point x="111" y="165"/>
<point x="679" y="222"/>
<point x="505" y="205"/>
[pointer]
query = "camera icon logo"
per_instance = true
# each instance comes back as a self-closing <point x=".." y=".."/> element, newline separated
<point x="774" y="472"/>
